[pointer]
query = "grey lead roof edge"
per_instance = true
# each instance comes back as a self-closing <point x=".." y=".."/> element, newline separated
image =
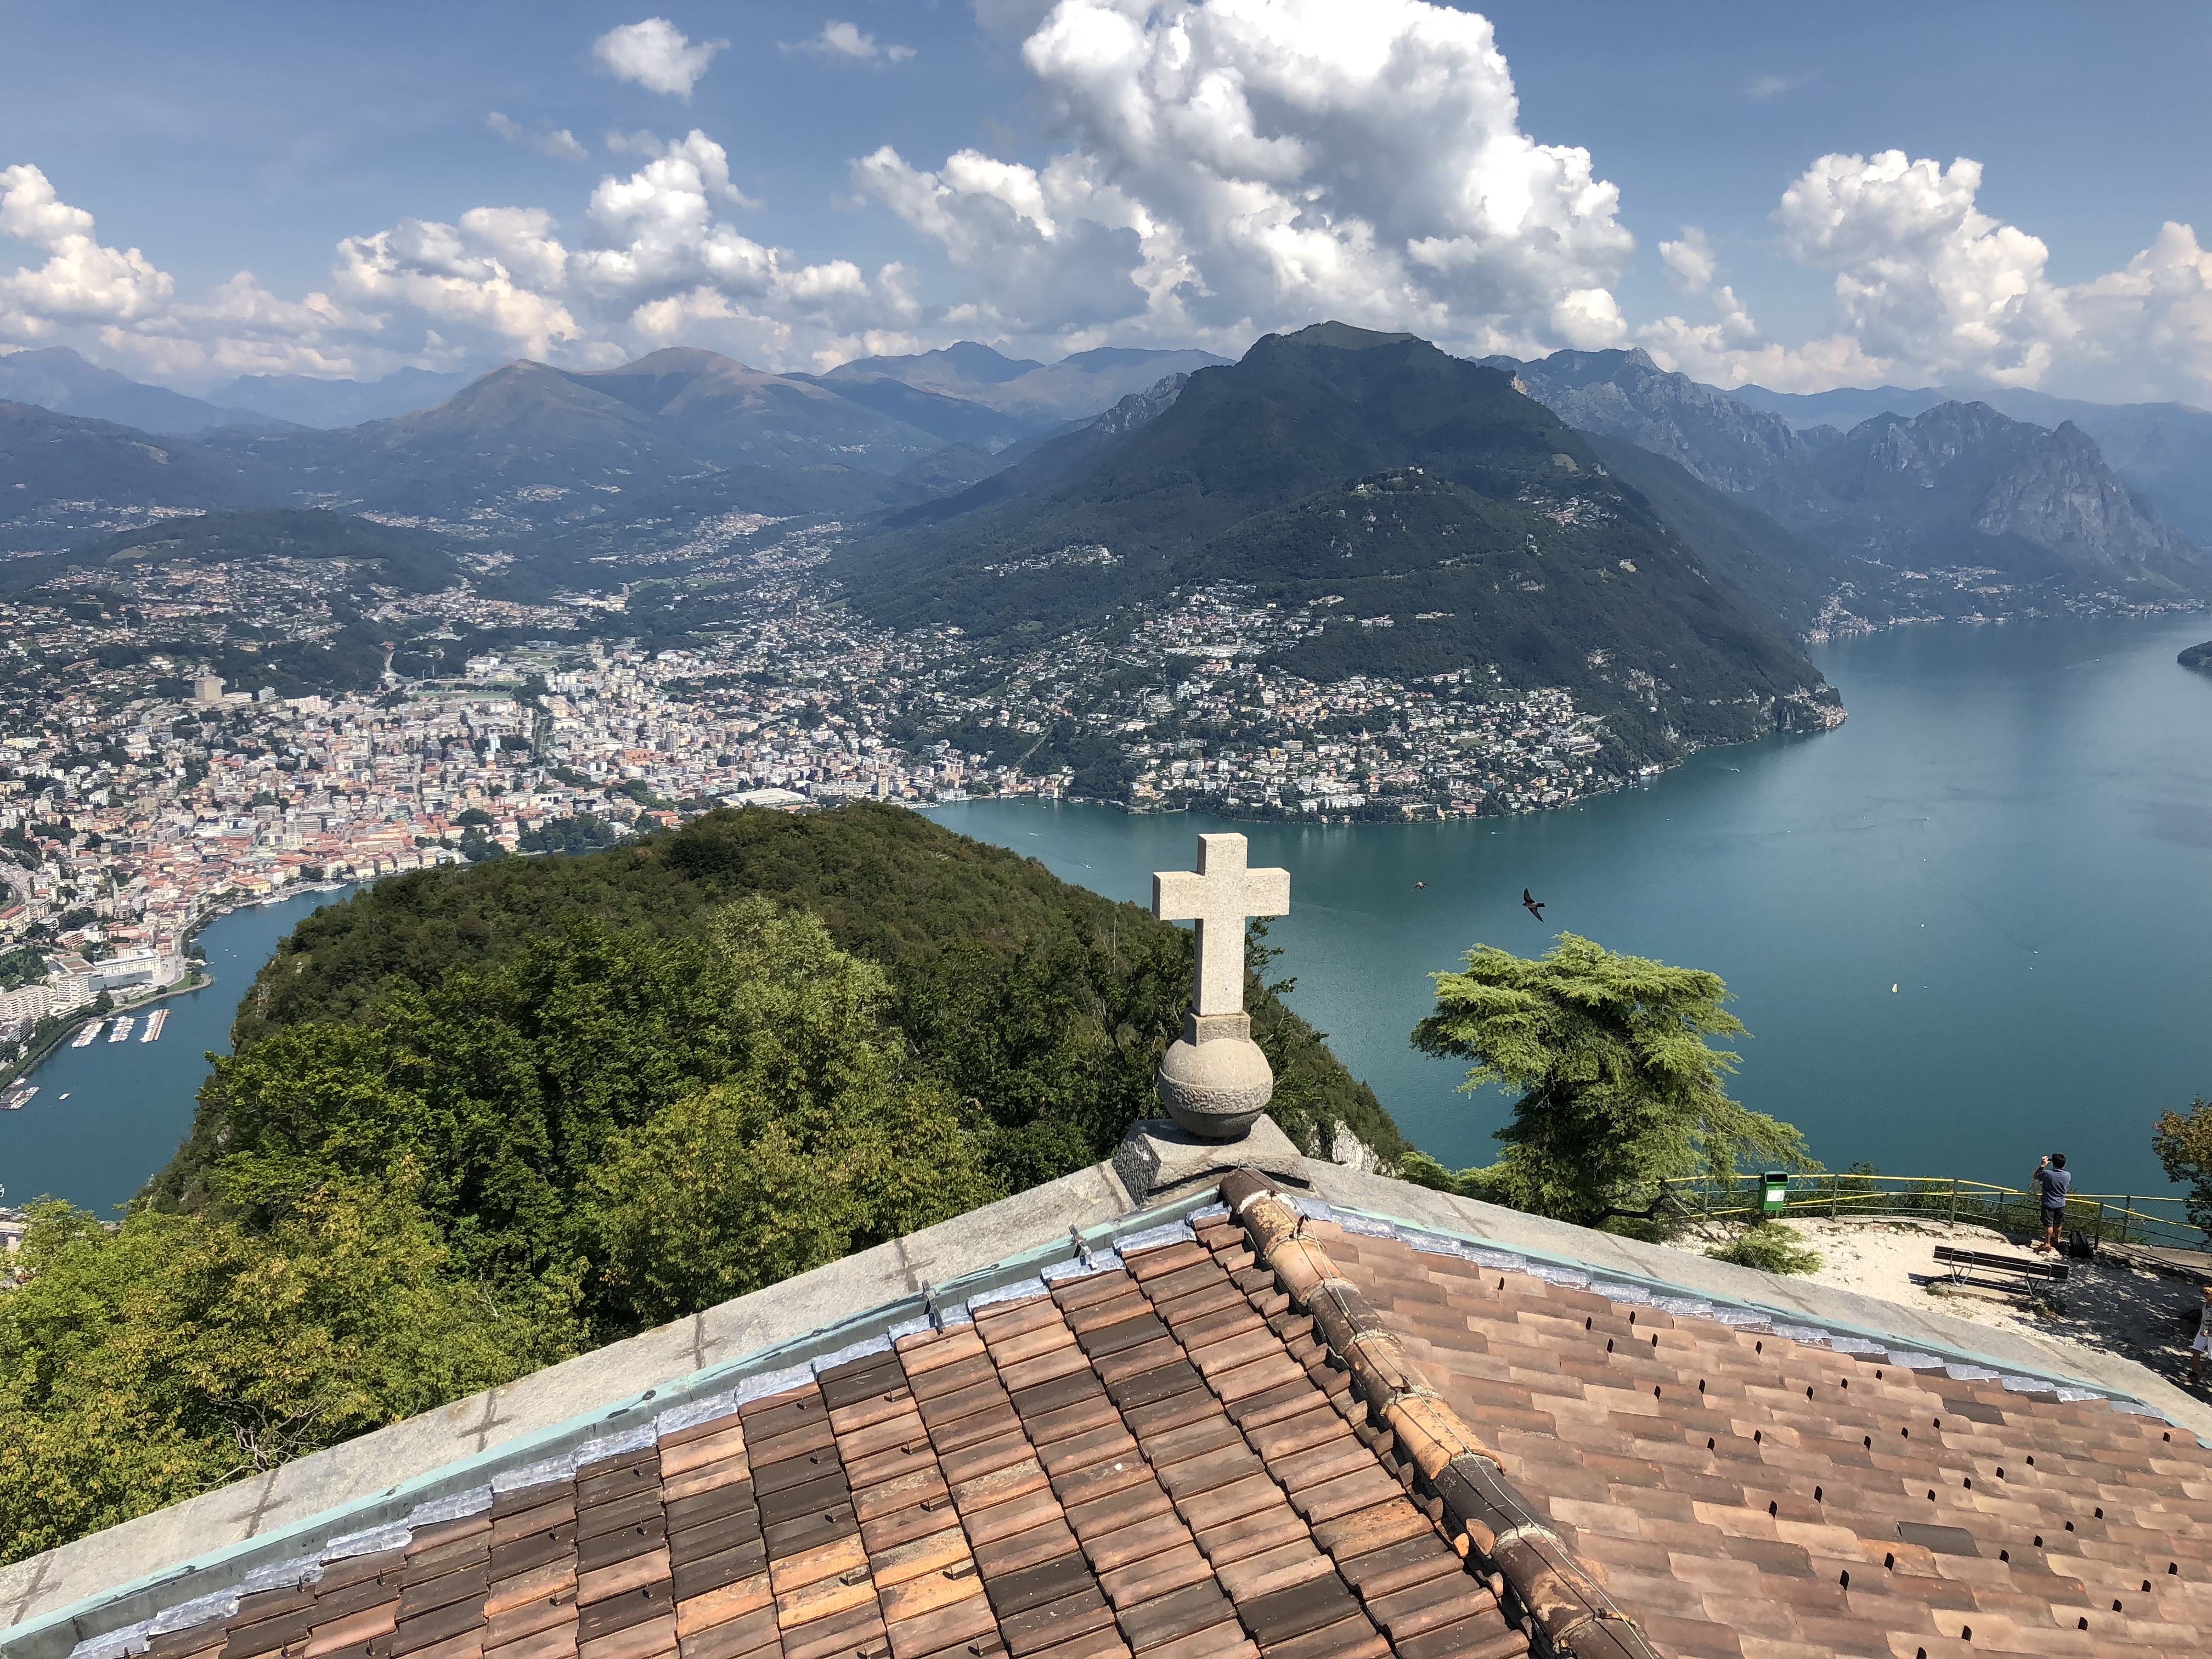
<point x="615" y="1445"/>
<point x="867" y="1347"/>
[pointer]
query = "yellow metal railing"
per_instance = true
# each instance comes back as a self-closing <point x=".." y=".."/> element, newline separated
<point x="2105" y="1217"/>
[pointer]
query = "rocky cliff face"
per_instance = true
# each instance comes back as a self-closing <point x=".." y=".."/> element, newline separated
<point x="1716" y="439"/>
<point x="1960" y="486"/>
<point x="1139" y="407"/>
<point x="1920" y="487"/>
<point x="2065" y="498"/>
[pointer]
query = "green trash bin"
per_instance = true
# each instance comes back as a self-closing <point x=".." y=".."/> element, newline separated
<point x="1776" y="1192"/>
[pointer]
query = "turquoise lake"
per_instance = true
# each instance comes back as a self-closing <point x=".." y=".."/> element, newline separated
<point x="131" y="1103"/>
<point x="2014" y="829"/>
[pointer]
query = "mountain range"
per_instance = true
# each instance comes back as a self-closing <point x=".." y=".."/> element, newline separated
<point x="1376" y="479"/>
<point x="581" y="465"/>
<point x="56" y="378"/>
<point x="946" y="465"/>
<point x="1040" y="394"/>
<point x="304" y="400"/>
<point x="1950" y="484"/>
<point x="2163" y="450"/>
<point x="63" y="476"/>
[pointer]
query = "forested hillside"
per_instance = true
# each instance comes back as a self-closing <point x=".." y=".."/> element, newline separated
<point x="480" y="1118"/>
<point x="1046" y="1005"/>
<point x="1459" y="522"/>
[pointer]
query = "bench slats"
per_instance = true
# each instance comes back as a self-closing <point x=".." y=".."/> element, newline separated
<point x="1959" y="1260"/>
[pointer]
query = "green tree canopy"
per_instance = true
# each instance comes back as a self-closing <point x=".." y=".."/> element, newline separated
<point x="148" y="1364"/>
<point x="1619" y="1089"/>
<point x="1047" y="1005"/>
<point x="822" y="1139"/>
<point x="677" y="1120"/>
<point x="478" y="1118"/>
<point x="2182" y="1142"/>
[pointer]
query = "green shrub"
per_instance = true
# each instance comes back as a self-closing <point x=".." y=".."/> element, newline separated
<point x="1772" y="1249"/>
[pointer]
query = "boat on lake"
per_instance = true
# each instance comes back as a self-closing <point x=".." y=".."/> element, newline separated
<point x="121" y="1030"/>
<point x="154" y="1022"/>
<point x="19" y="1098"/>
<point x="83" y="1039"/>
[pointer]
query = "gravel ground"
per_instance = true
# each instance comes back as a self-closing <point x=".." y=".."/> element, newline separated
<point x="2141" y="1316"/>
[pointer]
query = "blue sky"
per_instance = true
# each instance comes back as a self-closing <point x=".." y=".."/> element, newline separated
<point x="1713" y="182"/>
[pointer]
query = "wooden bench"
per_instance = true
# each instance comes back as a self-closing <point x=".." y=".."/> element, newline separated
<point x="2028" y="1267"/>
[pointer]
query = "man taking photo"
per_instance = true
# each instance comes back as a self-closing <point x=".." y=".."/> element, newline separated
<point x="2050" y="1175"/>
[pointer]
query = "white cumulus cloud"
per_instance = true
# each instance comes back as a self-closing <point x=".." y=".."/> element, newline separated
<point x="1216" y="171"/>
<point x="2146" y="330"/>
<point x="1254" y="164"/>
<point x="656" y="55"/>
<point x="1931" y="290"/>
<point x="1690" y="261"/>
<point x="847" y="42"/>
<point x="476" y="278"/>
<point x="558" y="143"/>
<point x="654" y="260"/>
<point x="1924" y="277"/>
<point x="119" y="305"/>
<point x="81" y="281"/>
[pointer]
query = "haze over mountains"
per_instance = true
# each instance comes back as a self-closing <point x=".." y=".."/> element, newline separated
<point x="950" y="469"/>
<point x="305" y="401"/>
<point x="2164" y="450"/>
<point x="1946" y="483"/>
<point x="1045" y="394"/>
<point x="56" y="378"/>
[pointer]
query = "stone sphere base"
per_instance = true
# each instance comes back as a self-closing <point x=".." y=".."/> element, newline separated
<point x="1217" y="1087"/>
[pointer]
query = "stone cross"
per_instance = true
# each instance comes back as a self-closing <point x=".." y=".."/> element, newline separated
<point x="1219" y="897"/>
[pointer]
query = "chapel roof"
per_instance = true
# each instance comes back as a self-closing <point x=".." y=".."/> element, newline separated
<point x="1748" y="1488"/>
<point x="1273" y="1430"/>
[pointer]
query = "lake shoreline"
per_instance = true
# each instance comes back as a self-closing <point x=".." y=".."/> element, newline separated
<point x="2013" y="831"/>
<point x="2010" y="806"/>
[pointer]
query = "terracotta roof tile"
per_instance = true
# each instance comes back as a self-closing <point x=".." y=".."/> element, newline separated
<point x="1724" y="1517"/>
<point x="1167" y="1460"/>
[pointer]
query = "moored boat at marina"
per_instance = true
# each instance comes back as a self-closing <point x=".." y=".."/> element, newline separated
<point x="83" y="1039"/>
<point x="121" y="1029"/>
<point x="154" y="1022"/>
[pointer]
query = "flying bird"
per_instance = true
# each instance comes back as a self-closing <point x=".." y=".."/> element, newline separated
<point x="1533" y="905"/>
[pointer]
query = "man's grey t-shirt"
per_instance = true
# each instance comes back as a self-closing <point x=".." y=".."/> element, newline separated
<point x="2054" y="1184"/>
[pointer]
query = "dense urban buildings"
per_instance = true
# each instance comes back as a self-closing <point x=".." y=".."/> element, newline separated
<point x="141" y="790"/>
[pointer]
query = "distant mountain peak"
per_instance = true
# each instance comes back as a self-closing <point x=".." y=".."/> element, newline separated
<point x="1343" y="337"/>
<point x="672" y="358"/>
<point x="1039" y="396"/>
<point x="970" y="360"/>
<point x="57" y="378"/>
<point x="981" y="362"/>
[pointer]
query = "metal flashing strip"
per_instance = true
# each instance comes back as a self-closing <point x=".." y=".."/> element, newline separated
<point x="1101" y="1261"/>
<point x="867" y="1348"/>
<point x="1958" y="1364"/>
<point x="1020" y="1291"/>
<point x="293" y="1554"/>
<point x="1152" y="1238"/>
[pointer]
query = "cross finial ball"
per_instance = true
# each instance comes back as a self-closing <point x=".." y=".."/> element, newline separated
<point x="1214" y="1081"/>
